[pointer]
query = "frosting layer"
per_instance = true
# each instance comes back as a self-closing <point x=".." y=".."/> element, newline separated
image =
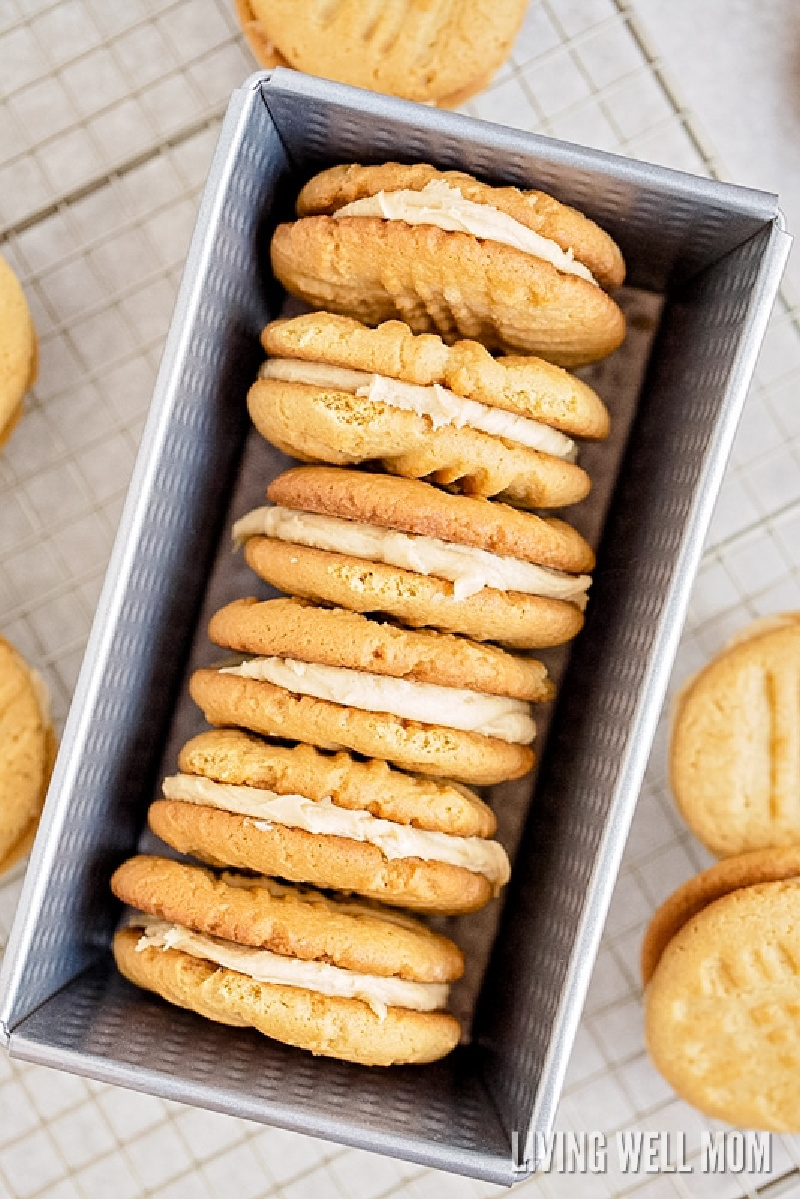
<point x="439" y="204"/>
<point x="441" y="405"/>
<point x="451" y="707"/>
<point x="267" y="967"/>
<point x="325" y="818"/>
<point x="467" y="567"/>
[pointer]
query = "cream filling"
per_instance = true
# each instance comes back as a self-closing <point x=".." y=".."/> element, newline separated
<point x="441" y="405"/>
<point x="267" y="967"/>
<point x="323" y="817"/>
<point x="444" y="206"/>
<point x="467" y="567"/>
<point x="451" y="707"/>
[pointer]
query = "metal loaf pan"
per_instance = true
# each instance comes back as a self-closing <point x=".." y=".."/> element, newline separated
<point x="716" y="252"/>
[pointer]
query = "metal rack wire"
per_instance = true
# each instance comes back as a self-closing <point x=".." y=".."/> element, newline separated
<point x="109" y="116"/>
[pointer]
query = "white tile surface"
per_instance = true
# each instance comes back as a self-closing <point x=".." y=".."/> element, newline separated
<point x="110" y="117"/>
<point x="239" y="1171"/>
<point x="159" y="1155"/>
<point x="32" y="1165"/>
<point x="81" y="1135"/>
<point x="130" y="1113"/>
<point x="747" y="103"/>
<point x="109" y="1175"/>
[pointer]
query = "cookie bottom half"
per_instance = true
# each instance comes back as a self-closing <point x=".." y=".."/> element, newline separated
<point x="468" y="757"/>
<point x="507" y="617"/>
<point x="326" y="1025"/>
<point x="325" y="425"/>
<point x="227" y="839"/>
<point x="448" y="283"/>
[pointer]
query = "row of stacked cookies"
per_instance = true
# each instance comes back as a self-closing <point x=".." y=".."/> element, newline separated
<point x="362" y="708"/>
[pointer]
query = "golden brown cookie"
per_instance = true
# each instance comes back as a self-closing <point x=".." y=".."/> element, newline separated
<point x="332" y="821"/>
<point x="735" y="746"/>
<point x="337" y="391"/>
<point x="448" y="254"/>
<point x="326" y="975"/>
<point x="18" y="350"/>
<point x="298" y="922"/>
<point x="445" y="282"/>
<point x="27" y="753"/>
<point x="323" y="424"/>
<point x="722" y="1008"/>
<point x="436" y="51"/>
<point x="744" y="870"/>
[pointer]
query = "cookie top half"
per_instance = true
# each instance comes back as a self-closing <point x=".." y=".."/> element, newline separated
<point x="298" y="922"/>
<point x="18" y="349"/>
<point x="575" y="240"/>
<point x="235" y="757"/>
<point x="414" y="507"/>
<point x="525" y="386"/>
<point x="299" y="630"/>
<point x="735" y="746"/>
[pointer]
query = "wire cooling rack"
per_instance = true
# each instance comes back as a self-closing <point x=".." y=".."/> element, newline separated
<point x="109" y="116"/>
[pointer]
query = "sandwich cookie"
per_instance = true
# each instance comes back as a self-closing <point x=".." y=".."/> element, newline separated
<point x="331" y="820"/>
<point x="425" y="701"/>
<point x="722" y="966"/>
<point x="19" y="354"/>
<point x="334" y="390"/>
<point x="338" y="978"/>
<point x="735" y="744"/>
<point x="515" y="270"/>
<point x="27" y="753"/>
<point x="377" y="543"/>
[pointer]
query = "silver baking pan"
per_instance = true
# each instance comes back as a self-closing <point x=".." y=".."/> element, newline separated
<point x="705" y="259"/>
